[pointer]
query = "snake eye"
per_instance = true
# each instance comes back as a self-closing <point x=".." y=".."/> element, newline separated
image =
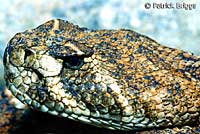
<point x="74" y="62"/>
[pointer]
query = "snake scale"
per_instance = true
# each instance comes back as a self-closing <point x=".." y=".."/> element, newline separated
<point x="116" y="79"/>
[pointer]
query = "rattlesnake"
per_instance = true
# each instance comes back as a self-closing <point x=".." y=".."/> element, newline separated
<point x="116" y="79"/>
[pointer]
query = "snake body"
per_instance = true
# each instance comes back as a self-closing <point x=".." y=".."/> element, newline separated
<point x="116" y="79"/>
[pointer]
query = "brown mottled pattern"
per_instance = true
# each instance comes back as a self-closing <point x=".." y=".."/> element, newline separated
<point x="116" y="79"/>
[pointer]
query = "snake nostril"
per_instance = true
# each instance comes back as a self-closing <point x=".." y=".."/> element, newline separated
<point x="27" y="54"/>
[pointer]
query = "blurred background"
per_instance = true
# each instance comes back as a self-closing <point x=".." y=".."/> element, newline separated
<point x="177" y="28"/>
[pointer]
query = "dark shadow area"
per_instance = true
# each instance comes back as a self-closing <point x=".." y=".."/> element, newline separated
<point x="35" y="122"/>
<point x="41" y="123"/>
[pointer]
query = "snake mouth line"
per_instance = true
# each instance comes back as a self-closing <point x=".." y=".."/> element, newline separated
<point x="39" y="75"/>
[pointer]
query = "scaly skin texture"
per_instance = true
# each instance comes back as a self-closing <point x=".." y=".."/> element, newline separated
<point x="116" y="79"/>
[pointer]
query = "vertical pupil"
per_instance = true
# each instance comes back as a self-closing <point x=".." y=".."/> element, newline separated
<point x="74" y="61"/>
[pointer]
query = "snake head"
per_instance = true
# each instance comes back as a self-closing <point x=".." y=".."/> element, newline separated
<point x="58" y="68"/>
<point x="34" y="67"/>
<point x="116" y="79"/>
